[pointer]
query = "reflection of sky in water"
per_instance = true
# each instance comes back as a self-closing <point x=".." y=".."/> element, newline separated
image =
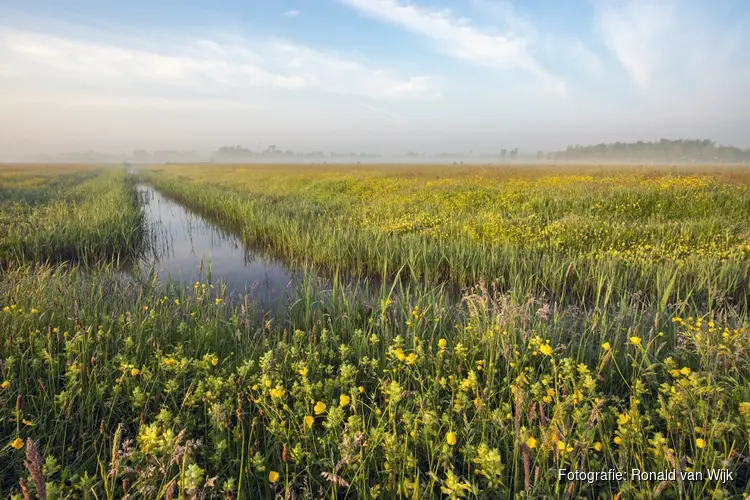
<point x="182" y="242"/>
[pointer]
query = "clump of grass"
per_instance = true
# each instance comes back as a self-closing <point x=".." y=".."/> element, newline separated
<point x="80" y="217"/>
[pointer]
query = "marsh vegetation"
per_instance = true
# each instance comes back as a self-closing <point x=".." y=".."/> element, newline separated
<point x="514" y="322"/>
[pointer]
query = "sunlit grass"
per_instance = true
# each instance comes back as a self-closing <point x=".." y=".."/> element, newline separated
<point x="72" y="214"/>
<point x="671" y="233"/>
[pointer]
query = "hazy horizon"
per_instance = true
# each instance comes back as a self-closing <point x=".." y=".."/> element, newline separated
<point x="370" y="76"/>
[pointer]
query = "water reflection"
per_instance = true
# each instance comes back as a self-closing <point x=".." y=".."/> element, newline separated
<point x="185" y="246"/>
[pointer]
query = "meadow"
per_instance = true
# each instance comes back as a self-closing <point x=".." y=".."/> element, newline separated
<point x="66" y="213"/>
<point x="517" y="321"/>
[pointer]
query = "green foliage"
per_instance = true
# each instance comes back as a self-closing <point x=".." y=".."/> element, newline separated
<point x="84" y="217"/>
<point x="571" y="235"/>
<point x="566" y="350"/>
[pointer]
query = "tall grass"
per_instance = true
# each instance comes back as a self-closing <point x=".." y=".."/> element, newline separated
<point x="558" y="235"/>
<point x="560" y="354"/>
<point x="72" y="218"/>
<point x="168" y="390"/>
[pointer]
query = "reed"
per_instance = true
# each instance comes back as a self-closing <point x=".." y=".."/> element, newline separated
<point x="86" y="217"/>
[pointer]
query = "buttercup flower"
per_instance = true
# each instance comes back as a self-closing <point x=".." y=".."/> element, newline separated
<point x="344" y="400"/>
<point x="309" y="421"/>
<point x="450" y="438"/>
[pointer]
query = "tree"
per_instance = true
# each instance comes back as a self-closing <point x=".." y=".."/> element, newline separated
<point x="664" y="150"/>
<point x="503" y="153"/>
<point x="539" y="155"/>
<point x="513" y="153"/>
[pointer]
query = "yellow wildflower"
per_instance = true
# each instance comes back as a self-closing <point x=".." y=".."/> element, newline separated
<point x="450" y="438"/>
<point x="531" y="442"/>
<point x="411" y="358"/>
<point x="5" y="384"/>
<point x="134" y="372"/>
<point x="309" y="420"/>
<point x="618" y="440"/>
<point x="635" y="341"/>
<point x="700" y="443"/>
<point x="277" y="392"/>
<point x="320" y="408"/>
<point x="17" y="443"/>
<point x="606" y="346"/>
<point x="344" y="400"/>
<point x="273" y="476"/>
<point x="546" y="349"/>
<point x="685" y="371"/>
<point x="361" y="389"/>
<point x="598" y="446"/>
<point x="442" y="343"/>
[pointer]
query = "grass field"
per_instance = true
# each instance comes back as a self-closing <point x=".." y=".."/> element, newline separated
<point x="578" y="235"/>
<point x="66" y="213"/>
<point x="603" y="323"/>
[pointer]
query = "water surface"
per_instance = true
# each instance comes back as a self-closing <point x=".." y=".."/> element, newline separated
<point x="186" y="247"/>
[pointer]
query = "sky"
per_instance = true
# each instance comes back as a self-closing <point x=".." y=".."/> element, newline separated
<point x="378" y="76"/>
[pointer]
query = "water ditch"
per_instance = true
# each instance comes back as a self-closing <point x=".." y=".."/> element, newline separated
<point x="185" y="247"/>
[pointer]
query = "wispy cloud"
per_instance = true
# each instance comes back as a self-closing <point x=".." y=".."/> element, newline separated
<point x="672" y="40"/>
<point x="205" y="67"/>
<point x="686" y="59"/>
<point x="292" y="13"/>
<point x="635" y="32"/>
<point x="458" y="37"/>
<point x="568" y="52"/>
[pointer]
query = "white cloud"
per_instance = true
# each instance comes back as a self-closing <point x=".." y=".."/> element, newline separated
<point x="458" y="37"/>
<point x="670" y="42"/>
<point x="635" y="32"/>
<point x="200" y="68"/>
<point x="292" y="13"/>
<point x="687" y="61"/>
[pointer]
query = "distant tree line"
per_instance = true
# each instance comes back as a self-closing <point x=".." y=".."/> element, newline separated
<point x="680" y="150"/>
<point x="239" y="153"/>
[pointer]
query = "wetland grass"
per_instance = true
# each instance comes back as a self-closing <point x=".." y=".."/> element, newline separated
<point x="565" y="348"/>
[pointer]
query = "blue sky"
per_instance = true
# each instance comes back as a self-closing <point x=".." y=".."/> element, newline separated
<point x="370" y="75"/>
